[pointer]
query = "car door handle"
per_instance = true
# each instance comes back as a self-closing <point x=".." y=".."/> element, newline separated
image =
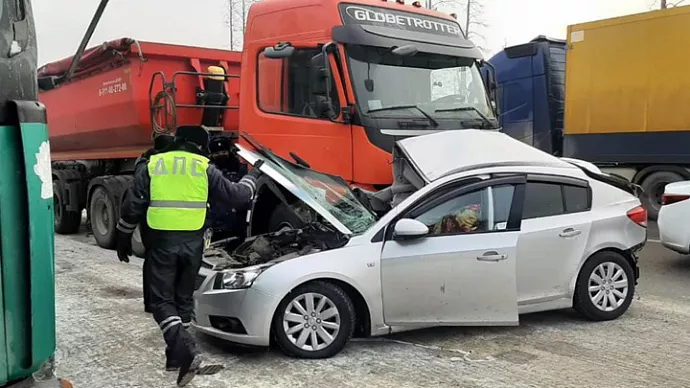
<point x="492" y="256"/>
<point x="569" y="232"/>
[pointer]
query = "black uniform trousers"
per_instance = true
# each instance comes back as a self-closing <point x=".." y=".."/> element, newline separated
<point x="147" y="282"/>
<point x="172" y="271"/>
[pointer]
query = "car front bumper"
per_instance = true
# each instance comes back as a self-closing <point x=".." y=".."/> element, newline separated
<point x="242" y="316"/>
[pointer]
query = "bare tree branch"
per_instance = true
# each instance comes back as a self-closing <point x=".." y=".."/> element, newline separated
<point x="236" y="19"/>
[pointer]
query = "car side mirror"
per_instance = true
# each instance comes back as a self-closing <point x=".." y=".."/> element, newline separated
<point x="407" y="228"/>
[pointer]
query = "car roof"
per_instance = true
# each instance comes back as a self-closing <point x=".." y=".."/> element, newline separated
<point x="442" y="153"/>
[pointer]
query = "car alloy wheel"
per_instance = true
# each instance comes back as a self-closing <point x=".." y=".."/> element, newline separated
<point x="315" y="320"/>
<point x="311" y="321"/>
<point x="608" y="286"/>
<point x="605" y="286"/>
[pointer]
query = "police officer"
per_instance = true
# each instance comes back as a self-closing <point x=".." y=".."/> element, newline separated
<point x="172" y="193"/>
<point x="160" y="143"/>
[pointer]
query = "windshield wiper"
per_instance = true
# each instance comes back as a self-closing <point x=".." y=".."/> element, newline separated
<point x="422" y="111"/>
<point x="470" y="108"/>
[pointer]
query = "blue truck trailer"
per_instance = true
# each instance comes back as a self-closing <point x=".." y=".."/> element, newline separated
<point x="614" y="93"/>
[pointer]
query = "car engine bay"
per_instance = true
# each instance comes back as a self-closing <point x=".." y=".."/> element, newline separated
<point x="230" y="247"/>
<point x="273" y="247"/>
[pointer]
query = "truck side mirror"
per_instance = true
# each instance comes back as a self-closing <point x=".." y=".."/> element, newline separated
<point x="488" y="72"/>
<point x="279" y="51"/>
<point x="320" y="74"/>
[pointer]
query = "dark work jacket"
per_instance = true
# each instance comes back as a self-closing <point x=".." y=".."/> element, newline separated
<point x="220" y="189"/>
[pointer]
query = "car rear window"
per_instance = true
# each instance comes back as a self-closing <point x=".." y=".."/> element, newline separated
<point x="543" y="199"/>
<point x="576" y="198"/>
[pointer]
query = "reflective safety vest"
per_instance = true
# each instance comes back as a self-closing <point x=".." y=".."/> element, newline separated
<point x="179" y="191"/>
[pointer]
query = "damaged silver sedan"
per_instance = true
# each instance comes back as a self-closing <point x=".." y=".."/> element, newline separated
<point x="462" y="237"/>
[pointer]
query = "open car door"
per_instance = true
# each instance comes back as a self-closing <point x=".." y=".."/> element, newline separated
<point x="462" y="272"/>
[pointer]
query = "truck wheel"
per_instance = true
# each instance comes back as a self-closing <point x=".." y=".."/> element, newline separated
<point x="283" y="218"/>
<point x="103" y="222"/>
<point x="653" y="186"/>
<point x="138" y="246"/>
<point x="66" y="222"/>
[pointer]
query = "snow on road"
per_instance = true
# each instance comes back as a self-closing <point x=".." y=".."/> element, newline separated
<point x="106" y="340"/>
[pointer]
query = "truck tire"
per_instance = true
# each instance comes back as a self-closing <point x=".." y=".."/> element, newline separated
<point x="653" y="186"/>
<point x="66" y="222"/>
<point x="283" y="218"/>
<point x="138" y="246"/>
<point x="103" y="217"/>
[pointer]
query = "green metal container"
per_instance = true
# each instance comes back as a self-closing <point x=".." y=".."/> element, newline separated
<point x="27" y="268"/>
<point x="27" y="285"/>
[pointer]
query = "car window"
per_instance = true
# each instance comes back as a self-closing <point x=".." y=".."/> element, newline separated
<point x="470" y="212"/>
<point x="542" y="200"/>
<point x="576" y="198"/>
<point x="503" y="199"/>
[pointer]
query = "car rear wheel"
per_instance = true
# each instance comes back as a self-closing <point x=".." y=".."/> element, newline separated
<point x="316" y="320"/>
<point x="605" y="287"/>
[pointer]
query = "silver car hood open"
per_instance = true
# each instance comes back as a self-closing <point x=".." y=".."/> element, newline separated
<point x="439" y="154"/>
<point x="273" y="171"/>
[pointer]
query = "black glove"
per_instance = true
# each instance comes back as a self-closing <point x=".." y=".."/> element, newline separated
<point x="255" y="172"/>
<point x="124" y="246"/>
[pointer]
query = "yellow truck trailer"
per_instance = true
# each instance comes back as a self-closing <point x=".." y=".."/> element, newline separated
<point x="616" y="93"/>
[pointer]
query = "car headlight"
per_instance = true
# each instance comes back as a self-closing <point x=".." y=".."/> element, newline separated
<point x="243" y="278"/>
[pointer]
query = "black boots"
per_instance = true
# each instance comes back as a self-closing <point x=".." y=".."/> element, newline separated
<point x="188" y="370"/>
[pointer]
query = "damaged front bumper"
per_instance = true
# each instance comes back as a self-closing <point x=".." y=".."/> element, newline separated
<point x="242" y="315"/>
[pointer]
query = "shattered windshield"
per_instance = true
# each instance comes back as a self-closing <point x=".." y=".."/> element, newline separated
<point x="331" y="192"/>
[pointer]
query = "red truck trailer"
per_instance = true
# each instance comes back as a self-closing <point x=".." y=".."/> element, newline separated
<point x="319" y="81"/>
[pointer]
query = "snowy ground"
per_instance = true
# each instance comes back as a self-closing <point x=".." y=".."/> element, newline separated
<point x="106" y="340"/>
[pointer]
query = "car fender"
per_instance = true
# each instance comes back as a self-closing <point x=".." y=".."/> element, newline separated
<point x="357" y="265"/>
<point x="591" y="250"/>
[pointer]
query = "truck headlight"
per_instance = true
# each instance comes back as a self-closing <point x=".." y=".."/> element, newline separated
<point x="243" y="278"/>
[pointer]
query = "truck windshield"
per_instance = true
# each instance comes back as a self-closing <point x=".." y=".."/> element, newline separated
<point x="444" y="87"/>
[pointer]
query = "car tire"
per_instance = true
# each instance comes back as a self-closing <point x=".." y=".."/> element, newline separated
<point x="283" y="218"/>
<point x="103" y="222"/>
<point x="339" y="329"/>
<point x="653" y="186"/>
<point x="591" y="304"/>
<point x="66" y="222"/>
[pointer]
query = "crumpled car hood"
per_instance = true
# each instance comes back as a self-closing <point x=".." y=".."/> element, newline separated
<point x="439" y="154"/>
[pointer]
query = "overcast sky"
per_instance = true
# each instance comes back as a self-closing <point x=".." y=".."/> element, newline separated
<point x="62" y="23"/>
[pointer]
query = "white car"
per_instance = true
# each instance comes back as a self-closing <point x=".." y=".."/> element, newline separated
<point x="476" y="229"/>
<point x="674" y="215"/>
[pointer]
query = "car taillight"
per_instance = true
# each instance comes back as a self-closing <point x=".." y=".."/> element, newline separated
<point x="668" y="199"/>
<point x="638" y="215"/>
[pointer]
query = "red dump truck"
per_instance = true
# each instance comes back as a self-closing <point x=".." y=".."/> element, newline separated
<point x="326" y="83"/>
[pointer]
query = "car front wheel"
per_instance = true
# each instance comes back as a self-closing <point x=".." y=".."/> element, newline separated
<point x="605" y="287"/>
<point x="316" y="320"/>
